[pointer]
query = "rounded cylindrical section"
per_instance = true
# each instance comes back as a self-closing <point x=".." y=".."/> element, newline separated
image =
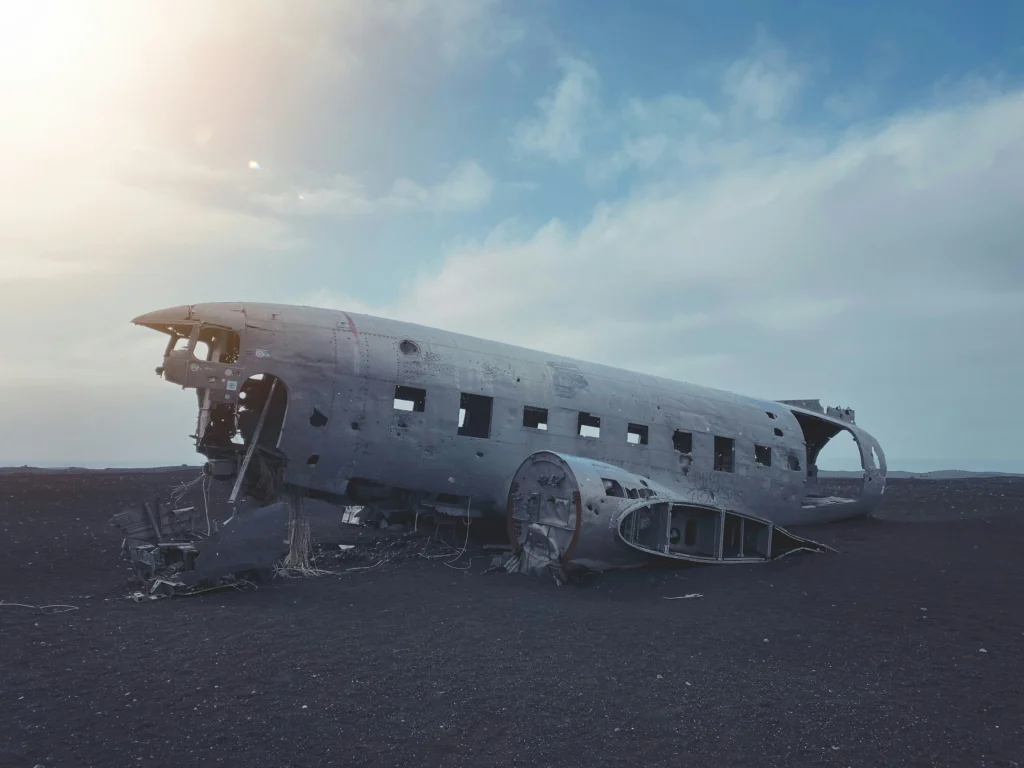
<point x="543" y="505"/>
<point x="564" y="510"/>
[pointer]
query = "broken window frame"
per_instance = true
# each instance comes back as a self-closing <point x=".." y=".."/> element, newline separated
<point x="680" y="439"/>
<point x="763" y="455"/>
<point x="613" y="488"/>
<point x="221" y="346"/>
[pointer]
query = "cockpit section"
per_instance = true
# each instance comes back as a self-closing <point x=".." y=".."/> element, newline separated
<point x="203" y="356"/>
<point x="242" y="407"/>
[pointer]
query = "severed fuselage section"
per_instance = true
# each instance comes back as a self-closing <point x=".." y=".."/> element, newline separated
<point x="567" y="514"/>
<point x="406" y="421"/>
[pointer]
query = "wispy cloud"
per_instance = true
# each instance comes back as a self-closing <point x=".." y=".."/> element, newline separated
<point x="764" y="85"/>
<point x="15" y="268"/>
<point x="851" y="102"/>
<point x="744" y="109"/>
<point x="466" y="188"/>
<point x="559" y="128"/>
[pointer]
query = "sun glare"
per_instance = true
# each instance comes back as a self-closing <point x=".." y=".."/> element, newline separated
<point x="67" y="70"/>
<point x="53" y="50"/>
<point x="42" y="41"/>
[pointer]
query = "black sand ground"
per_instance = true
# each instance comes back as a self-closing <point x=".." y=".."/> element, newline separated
<point x="870" y="657"/>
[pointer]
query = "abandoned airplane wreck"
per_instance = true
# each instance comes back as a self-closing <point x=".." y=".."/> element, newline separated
<point x="592" y="467"/>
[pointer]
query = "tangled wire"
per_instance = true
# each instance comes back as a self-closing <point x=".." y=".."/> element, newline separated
<point x="300" y="560"/>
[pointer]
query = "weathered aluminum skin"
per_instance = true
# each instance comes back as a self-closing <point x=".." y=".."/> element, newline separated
<point x="346" y="366"/>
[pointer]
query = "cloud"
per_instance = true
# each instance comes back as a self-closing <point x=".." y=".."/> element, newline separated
<point x="559" y="129"/>
<point x="30" y="267"/>
<point x="130" y="144"/>
<point x="466" y="188"/>
<point x="734" y="120"/>
<point x="851" y="102"/>
<point x="764" y="85"/>
<point x="737" y="244"/>
<point x="85" y="207"/>
<point x="793" y="247"/>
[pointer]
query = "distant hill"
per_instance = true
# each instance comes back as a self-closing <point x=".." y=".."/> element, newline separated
<point x="81" y="470"/>
<point x="941" y="474"/>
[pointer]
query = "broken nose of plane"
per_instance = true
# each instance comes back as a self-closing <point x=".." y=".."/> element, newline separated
<point x="219" y="314"/>
<point x="162" y="318"/>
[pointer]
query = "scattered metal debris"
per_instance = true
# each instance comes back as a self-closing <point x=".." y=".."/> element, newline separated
<point x="172" y="555"/>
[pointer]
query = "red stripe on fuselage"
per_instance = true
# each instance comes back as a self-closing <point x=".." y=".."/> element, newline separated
<point x="352" y="326"/>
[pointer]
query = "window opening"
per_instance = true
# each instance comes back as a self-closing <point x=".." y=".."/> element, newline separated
<point x="212" y="344"/>
<point x="636" y="434"/>
<point x="612" y="488"/>
<point x="763" y="455"/>
<point x="682" y="441"/>
<point x="475" y="415"/>
<point x="588" y="426"/>
<point x="535" y="418"/>
<point x="690" y="535"/>
<point x="724" y="449"/>
<point x="794" y="463"/>
<point x="202" y="351"/>
<point x="410" y="399"/>
<point x="218" y="344"/>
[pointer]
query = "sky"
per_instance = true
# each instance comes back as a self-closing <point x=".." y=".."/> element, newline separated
<point x="786" y="199"/>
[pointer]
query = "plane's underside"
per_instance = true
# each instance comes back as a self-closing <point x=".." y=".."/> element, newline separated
<point x="409" y="420"/>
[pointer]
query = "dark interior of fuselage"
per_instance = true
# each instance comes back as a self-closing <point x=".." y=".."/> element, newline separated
<point x="687" y="531"/>
<point x="230" y="428"/>
<point x="818" y="433"/>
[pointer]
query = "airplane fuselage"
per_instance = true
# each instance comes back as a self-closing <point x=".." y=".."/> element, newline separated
<point x="372" y="407"/>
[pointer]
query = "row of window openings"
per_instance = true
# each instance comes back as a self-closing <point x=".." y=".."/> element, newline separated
<point x="475" y="421"/>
